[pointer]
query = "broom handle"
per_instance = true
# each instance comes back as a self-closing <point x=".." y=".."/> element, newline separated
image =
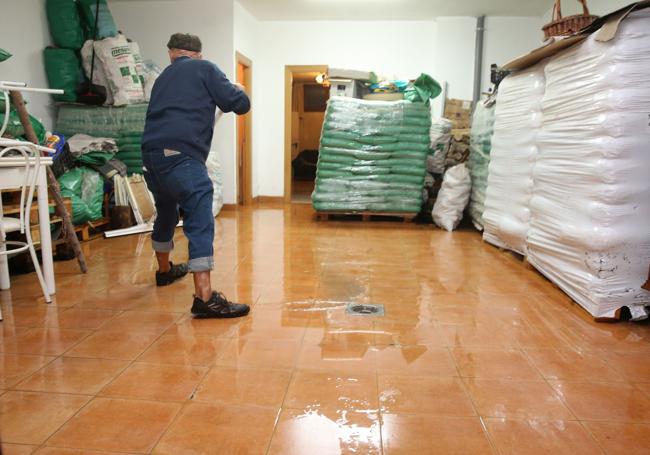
<point x="557" y="11"/>
<point x="585" y="9"/>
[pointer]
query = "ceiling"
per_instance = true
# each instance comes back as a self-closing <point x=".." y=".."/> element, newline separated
<point x="390" y="9"/>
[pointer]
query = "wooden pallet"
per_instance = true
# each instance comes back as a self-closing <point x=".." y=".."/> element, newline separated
<point x="365" y="216"/>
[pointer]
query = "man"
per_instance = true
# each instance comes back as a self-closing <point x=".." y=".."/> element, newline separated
<point x="175" y="145"/>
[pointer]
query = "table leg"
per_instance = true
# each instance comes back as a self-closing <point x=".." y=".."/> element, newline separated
<point x="4" y="270"/>
<point x="46" y="235"/>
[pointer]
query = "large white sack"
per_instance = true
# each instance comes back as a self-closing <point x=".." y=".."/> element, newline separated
<point x="590" y="213"/>
<point x="99" y="75"/>
<point x="514" y="149"/>
<point x="214" y="172"/>
<point x="479" y="158"/>
<point x="453" y="197"/>
<point x="120" y="69"/>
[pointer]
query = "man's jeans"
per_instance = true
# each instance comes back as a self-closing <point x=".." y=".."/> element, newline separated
<point x="176" y="180"/>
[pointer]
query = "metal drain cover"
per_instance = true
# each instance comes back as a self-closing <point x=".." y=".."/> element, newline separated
<point x="365" y="309"/>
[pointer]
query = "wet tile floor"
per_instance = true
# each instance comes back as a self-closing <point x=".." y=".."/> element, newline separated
<point x="475" y="353"/>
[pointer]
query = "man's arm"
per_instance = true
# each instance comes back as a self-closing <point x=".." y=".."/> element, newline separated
<point x="227" y="96"/>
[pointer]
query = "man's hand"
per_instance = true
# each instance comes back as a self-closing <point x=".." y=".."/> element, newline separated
<point x="240" y="87"/>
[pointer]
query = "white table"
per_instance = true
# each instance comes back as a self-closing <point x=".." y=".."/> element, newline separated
<point x="12" y="175"/>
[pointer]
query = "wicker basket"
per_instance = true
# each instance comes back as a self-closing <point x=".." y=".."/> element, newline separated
<point x="562" y="26"/>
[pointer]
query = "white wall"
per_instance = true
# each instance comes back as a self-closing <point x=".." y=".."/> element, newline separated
<point x="151" y="22"/>
<point x="507" y="38"/>
<point x="25" y="33"/>
<point x="408" y="50"/>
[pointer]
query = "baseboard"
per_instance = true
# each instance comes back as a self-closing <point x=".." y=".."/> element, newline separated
<point x="268" y="200"/>
<point x="229" y="207"/>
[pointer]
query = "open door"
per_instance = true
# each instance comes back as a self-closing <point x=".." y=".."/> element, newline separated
<point x="244" y="129"/>
<point x="305" y="103"/>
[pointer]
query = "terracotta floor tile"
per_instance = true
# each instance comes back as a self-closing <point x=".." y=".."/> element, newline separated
<point x="428" y="395"/>
<point x="117" y="425"/>
<point x="186" y="350"/>
<point x="326" y="432"/>
<point x="272" y="325"/>
<point x="147" y="381"/>
<point x="492" y="364"/>
<point x="32" y="316"/>
<point x="611" y="401"/>
<point x="517" y="400"/>
<point x="143" y="321"/>
<point x="60" y="451"/>
<point x="572" y="365"/>
<point x="403" y="334"/>
<point x="114" y="345"/>
<point x="217" y="328"/>
<point x="15" y="367"/>
<point x="645" y="387"/>
<point x="621" y="438"/>
<point x="338" y="357"/>
<point x="632" y="365"/>
<point x="30" y="418"/>
<point x="17" y="449"/>
<point x="256" y="353"/>
<point x="73" y="375"/>
<point x="212" y="429"/>
<point x="237" y="386"/>
<point x="79" y="318"/>
<point x="536" y="437"/>
<point x="415" y="360"/>
<point x="311" y="390"/>
<point x="44" y="341"/>
<point x="478" y="336"/>
<point x="408" y="434"/>
<point x="340" y="335"/>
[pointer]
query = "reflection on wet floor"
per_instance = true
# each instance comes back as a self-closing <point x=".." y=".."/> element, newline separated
<point x="474" y="352"/>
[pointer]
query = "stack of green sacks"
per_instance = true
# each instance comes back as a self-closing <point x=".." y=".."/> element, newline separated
<point x="479" y="158"/>
<point x="372" y="156"/>
<point x="124" y="124"/>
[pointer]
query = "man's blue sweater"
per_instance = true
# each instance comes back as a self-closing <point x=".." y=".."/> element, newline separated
<point x="183" y="105"/>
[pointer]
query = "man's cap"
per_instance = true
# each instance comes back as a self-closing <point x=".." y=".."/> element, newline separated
<point x="185" y="41"/>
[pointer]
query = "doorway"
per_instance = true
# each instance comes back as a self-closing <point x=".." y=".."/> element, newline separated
<point x="305" y="104"/>
<point x="244" y="134"/>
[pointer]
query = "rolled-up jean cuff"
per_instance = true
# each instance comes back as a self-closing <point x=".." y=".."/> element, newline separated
<point x="204" y="264"/>
<point x="163" y="247"/>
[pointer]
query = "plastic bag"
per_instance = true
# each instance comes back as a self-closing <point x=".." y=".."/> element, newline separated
<point x="86" y="189"/>
<point x="214" y="172"/>
<point x="4" y="55"/>
<point x="151" y="73"/>
<point x="99" y="75"/>
<point x="423" y="89"/>
<point x="452" y="197"/>
<point x="63" y="71"/>
<point x="479" y="159"/>
<point x="65" y="23"/>
<point x="105" y="25"/>
<point x="120" y="69"/>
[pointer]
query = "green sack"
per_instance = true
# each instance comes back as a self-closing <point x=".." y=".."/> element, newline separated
<point x="4" y="55"/>
<point x="16" y="130"/>
<point x="95" y="158"/>
<point x="62" y="68"/>
<point x="65" y="24"/>
<point x="424" y="88"/>
<point x="86" y="189"/>
<point x="105" y="25"/>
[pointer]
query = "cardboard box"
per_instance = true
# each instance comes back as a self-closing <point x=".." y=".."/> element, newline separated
<point x="348" y="88"/>
<point x="459" y="113"/>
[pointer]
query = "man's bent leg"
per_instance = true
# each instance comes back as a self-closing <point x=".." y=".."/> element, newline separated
<point x="163" y="240"/>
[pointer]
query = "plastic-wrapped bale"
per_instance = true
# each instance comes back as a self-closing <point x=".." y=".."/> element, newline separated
<point x="514" y="149"/>
<point x="479" y="159"/>
<point x="590" y="212"/>
<point x="372" y="156"/>
<point x="125" y="124"/>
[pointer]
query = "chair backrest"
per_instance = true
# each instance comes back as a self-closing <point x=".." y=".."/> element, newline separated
<point x="31" y="158"/>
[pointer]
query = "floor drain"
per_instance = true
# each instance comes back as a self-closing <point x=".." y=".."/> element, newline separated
<point x="365" y="309"/>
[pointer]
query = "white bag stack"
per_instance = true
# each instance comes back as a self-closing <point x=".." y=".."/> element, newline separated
<point x="590" y="212"/>
<point x="514" y="150"/>
<point x="119" y="66"/>
<point x="214" y="172"/>
<point x="479" y="159"/>
<point x="452" y="198"/>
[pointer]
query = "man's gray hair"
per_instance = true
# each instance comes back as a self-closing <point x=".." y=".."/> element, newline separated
<point x="185" y="41"/>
